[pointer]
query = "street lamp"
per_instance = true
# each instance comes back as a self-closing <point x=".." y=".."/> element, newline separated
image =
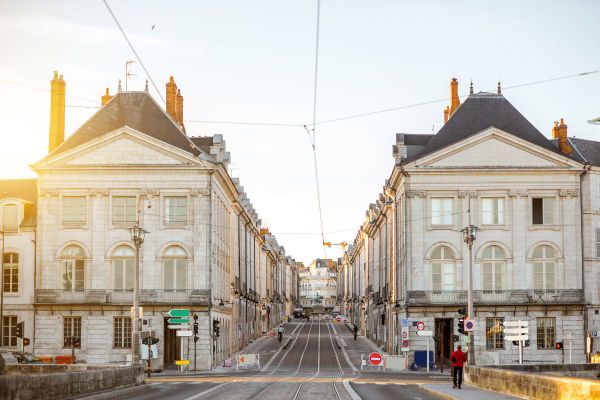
<point x="137" y="237"/>
<point x="469" y="235"/>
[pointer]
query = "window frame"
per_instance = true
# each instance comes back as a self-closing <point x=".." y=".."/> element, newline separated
<point x="11" y="266"/>
<point x="494" y="263"/>
<point x="71" y="263"/>
<point x="122" y="326"/>
<point x="494" y="340"/>
<point x="544" y="261"/>
<point x="127" y="262"/>
<point x="175" y="259"/>
<point x="496" y="200"/>
<point x="12" y="330"/>
<point x="63" y="205"/>
<point x="165" y="218"/>
<point x="114" y="206"/>
<point x="443" y="262"/>
<point x="544" y="211"/>
<point x="442" y="211"/>
<point x="74" y="325"/>
<point x="544" y="331"/>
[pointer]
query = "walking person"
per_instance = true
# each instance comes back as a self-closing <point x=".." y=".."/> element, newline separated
<point x="458" y="359"/>
<point x="280" y="331"/>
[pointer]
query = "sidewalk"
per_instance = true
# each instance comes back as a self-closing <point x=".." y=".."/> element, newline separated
<point x="446" y="391"/>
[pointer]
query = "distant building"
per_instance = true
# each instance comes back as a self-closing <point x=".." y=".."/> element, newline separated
<point x="318" y="284"/>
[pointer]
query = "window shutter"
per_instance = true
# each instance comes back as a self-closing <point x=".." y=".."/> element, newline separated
<point x="10" y="218"/>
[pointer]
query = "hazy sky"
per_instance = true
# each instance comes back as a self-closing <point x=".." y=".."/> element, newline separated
<point x="254" y="61"/>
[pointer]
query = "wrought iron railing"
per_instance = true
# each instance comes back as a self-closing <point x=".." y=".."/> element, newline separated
<point x="516" y="296"/>
<point x="111" y="296"/>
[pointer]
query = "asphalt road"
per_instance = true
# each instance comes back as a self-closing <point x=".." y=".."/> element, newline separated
<point x="312" y="367"/>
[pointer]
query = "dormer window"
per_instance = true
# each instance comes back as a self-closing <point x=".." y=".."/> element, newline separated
<point x="10" y="218"/>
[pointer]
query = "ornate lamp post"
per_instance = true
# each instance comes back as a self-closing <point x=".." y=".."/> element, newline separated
<point x="137" y="237"/>
<point x="469" y="235"/>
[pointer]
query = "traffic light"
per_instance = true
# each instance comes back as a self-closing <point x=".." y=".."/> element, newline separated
<point x="559" y="345"/>
<point x="462" y="311"/>
<point x="20" y="330"/>
<point x="195" y="325"/>
<point x="461" y="326"/>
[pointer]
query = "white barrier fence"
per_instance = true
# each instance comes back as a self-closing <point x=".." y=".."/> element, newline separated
<point x="390" y="363"/>
<point x="247" y="360"/>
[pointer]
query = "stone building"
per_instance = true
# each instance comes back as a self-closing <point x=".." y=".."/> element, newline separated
<point x="18" y="202"/>
<point x="490" y="167"/>
<point x="132" y="162"/>
<point x="318" y="285"/>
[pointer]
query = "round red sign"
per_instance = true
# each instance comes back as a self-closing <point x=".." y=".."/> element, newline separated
<point x="420" y="325"/>
<point x="375" y="358"/>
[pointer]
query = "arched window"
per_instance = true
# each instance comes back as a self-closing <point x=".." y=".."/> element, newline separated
<point x="442" y="268"/>
<point x="123" y="258"/>
<point x="493" y="265"/>
<point x="544" y="268"/>
<point x="174" y="268"/>
<point x="73" y="265"/>
<point x="11" y="272"/>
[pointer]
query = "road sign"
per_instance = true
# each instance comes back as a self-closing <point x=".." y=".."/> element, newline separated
<point x="404" y="335"/>
<point x="516" y="338"/>
<point x="178" y="327"/>
<point x="594" y="333"/>
<point x="182" y="362"/>
<point x="179" y="312"/>
<point x="184" y="333"/>
<point x="405" y="345"/>
<point x="375" y="358"/>
<point x="516" y="323"/>
<point x="179" y="320"/>
<point x="516" y="331"/>
<point x="420" y="325"/>
<point x="469" y="325"/>
<point x="424" y="333"/>
<point x="405" y="322"/>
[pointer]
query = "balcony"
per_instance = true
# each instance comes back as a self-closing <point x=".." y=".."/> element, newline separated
<point x="496" y="297"/>
<point x="109" y="296"/>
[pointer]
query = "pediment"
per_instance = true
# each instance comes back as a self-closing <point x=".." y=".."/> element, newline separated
<point x="124" y="147"/>
<point x="494" y="148"/>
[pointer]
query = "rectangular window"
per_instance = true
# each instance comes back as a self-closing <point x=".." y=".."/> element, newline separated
<point x="122" y="333"/>
<point x="494" y="333"/>
<point x="493" y="211"/>
<point x="72" y="332"/>
<point x="542" y="210"/>
<point x="124" y="210"/>
<point x="546" y="333"/>
<point x="10" y="218"/>
<point x="441" y="211"/>
<point x="74" y="209"/>
<point x="9" y="334"/>
<point x="176" y="210"/>
<point x="11" y="272"/>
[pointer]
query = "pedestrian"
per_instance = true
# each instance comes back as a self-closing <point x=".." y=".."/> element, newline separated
<point x="280" y="331"/>
<point x="458" y="359"/>
<point x="355" y="331"/>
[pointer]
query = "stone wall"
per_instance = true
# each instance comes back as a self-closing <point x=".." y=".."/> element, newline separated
<point x="521" y="381"/>
<point x="60" y="385"/>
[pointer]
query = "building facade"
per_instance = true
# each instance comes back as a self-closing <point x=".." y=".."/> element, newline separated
<point x="318" y="285"/>
<point x="487" y="167"/>
<point x="132" y="164"/>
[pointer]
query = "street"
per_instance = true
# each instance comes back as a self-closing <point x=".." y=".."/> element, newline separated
<point x="311" y="367"/>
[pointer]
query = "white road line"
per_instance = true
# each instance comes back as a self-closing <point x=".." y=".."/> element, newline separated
<point x="212" y="389"/>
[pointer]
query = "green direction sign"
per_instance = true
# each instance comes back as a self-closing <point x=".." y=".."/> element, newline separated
<point x="179" y="312"/>
<point x="179" y="320"/>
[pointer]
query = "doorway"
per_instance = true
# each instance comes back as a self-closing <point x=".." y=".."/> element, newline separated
<point x="171" y="345"/>
<point x="444" y="330"/>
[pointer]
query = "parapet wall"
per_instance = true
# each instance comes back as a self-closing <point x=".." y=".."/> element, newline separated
<point x="42" y="385"/>
<point x="536" y="382"/>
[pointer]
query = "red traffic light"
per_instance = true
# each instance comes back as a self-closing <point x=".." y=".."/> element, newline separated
<point x="559" y="345"/>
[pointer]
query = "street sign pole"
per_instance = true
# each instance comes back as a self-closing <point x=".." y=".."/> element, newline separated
<point x="427" y="354"/>
<point x="520" y="352"/>
<point x="149" y="357"/>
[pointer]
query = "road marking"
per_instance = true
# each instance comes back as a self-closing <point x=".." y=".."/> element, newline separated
<point x="212" y="389"/>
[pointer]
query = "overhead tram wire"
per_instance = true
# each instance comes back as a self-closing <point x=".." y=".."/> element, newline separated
<point x="139" y="59"/>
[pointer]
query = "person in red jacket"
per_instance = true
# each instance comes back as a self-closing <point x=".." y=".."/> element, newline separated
<point x="458" y="359"/>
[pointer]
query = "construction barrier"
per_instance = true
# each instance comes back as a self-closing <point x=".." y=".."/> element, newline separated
<point x="247" y="360"/>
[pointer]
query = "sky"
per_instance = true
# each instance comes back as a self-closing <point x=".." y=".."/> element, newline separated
<point x="254" y="61"/>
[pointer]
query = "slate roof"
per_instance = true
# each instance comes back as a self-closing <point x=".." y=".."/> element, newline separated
<point x="203" y="142"/>
<point x="589" y="149"/>
<point x="477" y="113"/>
<point x="137" y="110"/>
<point x="25" y="189"/>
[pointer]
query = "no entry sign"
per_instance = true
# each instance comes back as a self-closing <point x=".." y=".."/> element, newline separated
<point x="375" y="358"/>
<point x="420" y="325"/>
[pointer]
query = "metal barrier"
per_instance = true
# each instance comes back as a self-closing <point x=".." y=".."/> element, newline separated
<point x="247" y="360"/>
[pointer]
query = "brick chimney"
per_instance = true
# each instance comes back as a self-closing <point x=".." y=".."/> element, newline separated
<point x="180" y="110"/>
<point x="172" y="98"/>
<point x="57" y="112"/>
<point x="559" y="131"/>
<point x="454" y="100"/>
<point x="106" y="98"/>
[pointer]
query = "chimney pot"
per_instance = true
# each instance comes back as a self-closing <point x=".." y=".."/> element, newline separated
<point x="106" y="98"/>
<point x="57" y="112"/>
<point x="560" y="130"/>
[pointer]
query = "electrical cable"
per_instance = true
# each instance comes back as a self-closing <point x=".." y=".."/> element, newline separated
<point x="134" y="51"/>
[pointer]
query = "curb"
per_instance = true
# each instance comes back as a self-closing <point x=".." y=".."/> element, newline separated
<point x="437" y="393"/>
<point x="350" y="390"/>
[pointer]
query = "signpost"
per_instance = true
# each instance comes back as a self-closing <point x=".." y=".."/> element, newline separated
<point x="519" y="331"/>
<point x="427" y="334"/>
<point x="180" y="320"/>
<point x="182" y="333"/>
